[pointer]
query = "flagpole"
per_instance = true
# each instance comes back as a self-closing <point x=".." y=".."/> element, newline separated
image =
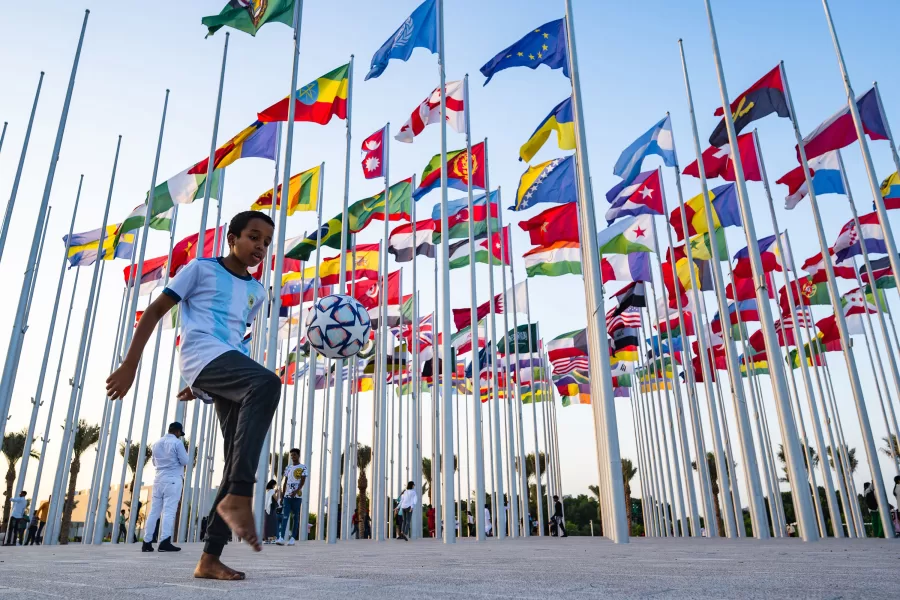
<point x="664" y="485"/>
<point x="175" y="335"/>
<point x="523" y="482"/>
<point x="15" y="341"/>
<point x="311" y="371"/>
<point x="383" y="338"/>
<point x="436" y="415"/>
<point x="537" y="449"/>
<point x="3" y="133"/>
<point x="416" y="529"/>
<point x="602" y="395"/>
<point x="211" y="163"/>
<point x="646" y="493"/>
<point x="7" y="217"/>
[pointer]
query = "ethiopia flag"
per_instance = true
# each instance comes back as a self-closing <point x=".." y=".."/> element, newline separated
<point x="303" y="189"/>
<point x="457" y="171"/>
<point x="315" y="102"/>
<point x="249" y="15"/>
<point x="763" y="98"/>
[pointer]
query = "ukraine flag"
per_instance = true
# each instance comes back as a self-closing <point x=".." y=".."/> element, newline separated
<point x="559" y="120"/>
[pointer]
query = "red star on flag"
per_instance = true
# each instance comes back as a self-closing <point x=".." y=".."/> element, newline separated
<point x="638" y="232"/>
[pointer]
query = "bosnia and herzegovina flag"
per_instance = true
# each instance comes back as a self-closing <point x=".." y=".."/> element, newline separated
<point x="764" y="97"/>
<point x="552" y="181"/>
<point x="315" y="102"/>
<point x="726" y="211"/>
<point x="559" y="120"/>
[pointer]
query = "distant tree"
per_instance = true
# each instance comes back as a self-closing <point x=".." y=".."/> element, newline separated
<point x="13" y="449"/>
<point x="86" y="435"/>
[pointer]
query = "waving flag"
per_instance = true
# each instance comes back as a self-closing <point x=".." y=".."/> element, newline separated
<point x="643" y="196"/>
<point x="249" y="16"/>
<point x="632" y="294"/>
<point x="329" y="234"/>
<point x="826" y="179"/>
<point x="763" y="98"/>
<point x="627" y="318"/>
<point x="365" y="267"/>
<point x="373" y="155"/>
<point x="545" y="45"/>
<point x="303" y="189"/>
<point x="559" y="120"/>
<point x="717" y="161"/>
<point x="152" y="275"/>
<point x="556" y="224"/>
<point x="745" y="310"/>
<point x="498" y="247"/>
<point x="882" y="274"/>
<point x="362" y="212"/>
<point x="368" y="291"/>
<point x="768" y="252"/>
<point x="559" y="258"/>
<point x="746" y="288"/>
<point x="806" y="291"/>
<point x="405" y="247"/>
<point x="419" y="30"/>
<point x="816" y="266"/>
<point x="850" y="240"/>
<point x="462" y="317"/>
<point x="658" y="140"/>
<point x="429" y="111"/>
<point x="316" y="102"/>
<point x="890" y="191"/>
<point x="726" y="211"/>
<point x="573" y="343"/>
<point x="457" y="171"/>
<point x="458" y="217"/>
<point x="634" y="234"/>
<point x="839" y="131"/>
<point x="185" y="250"/>
<point x="256" y="141"/>
<point x="626" y="267"/>
<point x="552" y="181"/>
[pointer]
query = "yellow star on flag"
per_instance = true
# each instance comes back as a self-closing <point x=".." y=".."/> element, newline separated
<point x="520" y="54"/>
<point x="540" y="55"/>
<point x="546" y="35"/>
<point x="545" y="47"/>
<point x="531" y="56"/>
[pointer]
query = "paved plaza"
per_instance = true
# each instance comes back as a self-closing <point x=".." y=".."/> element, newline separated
<point x="532" y="568"/>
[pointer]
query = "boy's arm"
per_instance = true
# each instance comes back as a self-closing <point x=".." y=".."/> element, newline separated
<point x="118" y="384"/>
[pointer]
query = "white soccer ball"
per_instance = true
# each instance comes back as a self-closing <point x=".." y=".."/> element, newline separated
<point x="338" y="326"/>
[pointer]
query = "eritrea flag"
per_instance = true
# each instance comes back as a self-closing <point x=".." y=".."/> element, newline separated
<point x="457" y="171"/>
<point x="763" y="98"/>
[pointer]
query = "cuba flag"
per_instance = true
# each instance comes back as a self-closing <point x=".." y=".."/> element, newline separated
<point x="419" y="30"/>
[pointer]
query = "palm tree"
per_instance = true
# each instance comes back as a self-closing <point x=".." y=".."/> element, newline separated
<point x="426" y="473"/>
<point x="133" y="450"/>
<point x="628" y="473"/>
<point x="85" y="436"/>
<point x="13" y="448"/>
<point x="363" y="458"/>
<point x="595" y="491"/>
<point x="530" y="476"/>
<point x="852" y="461"/>
<point x="806" y="459"/>
<point x="714" y="479"/>
<point x="891" y="446"/>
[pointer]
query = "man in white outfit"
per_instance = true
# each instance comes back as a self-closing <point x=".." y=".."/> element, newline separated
<point x="169" y="459"/>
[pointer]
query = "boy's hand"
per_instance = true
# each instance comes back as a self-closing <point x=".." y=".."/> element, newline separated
<point x="186" y="395"/>
<point x="118" y="384"/>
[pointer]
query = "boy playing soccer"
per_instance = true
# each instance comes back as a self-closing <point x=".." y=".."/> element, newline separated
<point x="219" y="300"/>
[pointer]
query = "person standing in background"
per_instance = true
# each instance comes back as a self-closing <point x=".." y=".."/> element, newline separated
<point x="169" y="458"/>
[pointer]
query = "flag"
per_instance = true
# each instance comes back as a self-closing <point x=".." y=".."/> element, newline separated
<point x="559" y="258"/>
<point x="183" y="188"/>
<point x="839" y="131"/>
<point x="573" y="343"/>
<point x="634" y="234"/>
<point x="295" y="291"/>
<point x="316" y="102"/>
<point x="84" y="247"/>
<point x="850" y="240"/>
<point x="516" y="297"/>
<point x="726" y="211"/>
<point x="429" y="111"/>
<point x="643" y="196"/>
<point x="816" y="266"/>
<point x="457" y="171"/>
<point x="329" y="234"/>
<point x="545" y="45"/>
<point x="256" y="141"/>
<point x="365" y="267"/>
<point x="419" y="30"/>
<point x="559" y="120"/>
<point x="498" y="247"/>
<point x="458" y="217"/>
<point x="185" y="250"/>
<point x="626" y="267"/>
<point x="890" y="191"/>
<point x="153" y="273"/>
<point x="362" y="212"/>
<point x="807" y="291"/>
<point x="373" y="155"/>
<point x="630" y="317"/>
<point x="625" y="344"/>
<point x="405" y="247"/>
<point x="658" y="140"/>
<point x="746" y="288"/>
<point x="744" y="311"/>
<point x="717" y="161"/>
<point x="632" y="294"/>
<point x="303" y="189"/>
<point x="135" y="220"/>
<point x="552" y="181"/>
<point x="681" y="272"/>
<point x="826" y="178"/>
<point x="462" y="339"/>
<point x="768" y="252"/>
<point x="763" y="98"/>
<point x="881" y="273"/>
<point x="523" y="340"/>
<point x="368" y="291"/>
<point x="556" y="224"/>
<point x="249" y="15"/>
<point x="462" y="317"/>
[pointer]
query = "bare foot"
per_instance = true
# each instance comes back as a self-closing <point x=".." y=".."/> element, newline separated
<point x="210" y="567"/>
<point x="237" y="511"/>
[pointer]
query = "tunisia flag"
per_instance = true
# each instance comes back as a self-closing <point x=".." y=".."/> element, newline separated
<point x="368" y="291"/>
<point x="373" y="155"/>
<point x="717" y="161"/>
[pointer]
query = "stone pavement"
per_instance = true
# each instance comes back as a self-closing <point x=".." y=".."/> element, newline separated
<point x="525" y="568"/>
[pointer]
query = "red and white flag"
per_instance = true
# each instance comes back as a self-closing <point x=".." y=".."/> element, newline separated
<point x="429" y="111"/>
<point x="717" y="161"/>
<point x="373" y="155"/>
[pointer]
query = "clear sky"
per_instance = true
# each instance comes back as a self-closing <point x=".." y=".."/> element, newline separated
<point x="630" y="72"/>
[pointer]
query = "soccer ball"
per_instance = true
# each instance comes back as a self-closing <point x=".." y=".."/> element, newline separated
<point x="338" y="326"/>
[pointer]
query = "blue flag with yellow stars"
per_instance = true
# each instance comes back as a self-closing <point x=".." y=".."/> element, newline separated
<point x="546" y="45"/>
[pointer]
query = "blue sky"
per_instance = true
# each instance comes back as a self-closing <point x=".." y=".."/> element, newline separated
<point x="630" y="73"/>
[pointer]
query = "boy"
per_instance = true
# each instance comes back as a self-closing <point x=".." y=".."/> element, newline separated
<point x="219" y="300"/>
<point x="292" y="494"/>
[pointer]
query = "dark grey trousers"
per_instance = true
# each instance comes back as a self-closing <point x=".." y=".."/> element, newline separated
<point x="245" y="395"/>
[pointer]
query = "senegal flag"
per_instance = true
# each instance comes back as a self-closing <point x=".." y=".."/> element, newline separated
<point x="303" y="191"/>
<point x="250" y="15"/>
<point x="315" y="102"/>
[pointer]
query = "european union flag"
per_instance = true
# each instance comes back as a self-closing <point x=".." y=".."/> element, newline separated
<point x="546" y="45"/>
<point x="419" y="30"/>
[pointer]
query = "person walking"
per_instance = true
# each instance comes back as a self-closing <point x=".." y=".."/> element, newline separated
<point x="123" y="527"/>
<point x="292" y="494"/>
<point x="488" y="525"/>
<point x="169" y="459"/>
<point x="408" y="500"/>
<point x="218" y="299"/>
<point x="41" y="517"/>
<point x="17" y="513"/>
<point x="872" y="505"/>
<point x="32" y="531"/>
<point x="558" y="519"/>
<point x="429" y="515"/>
<point x="270" y="528"/>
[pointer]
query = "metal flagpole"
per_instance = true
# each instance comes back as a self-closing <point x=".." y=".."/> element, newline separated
<point x="664" y="485"/>
<point x="520" y="449"/>
<point x="7" y="217"/>
<point x="646" y="495"/>
<point x="164" y="421"/>
<point x="210" y="165"/>
<point x="323" y="458"/>
<point x="335" y="493"/>
<point x="602" y="401"/>
<point x="15" y="341"/>
<point x="36" y="400"/>
<point x="198" y="471"/>
<point x="416" y="404"/>
<point x="3" y="133"/>
<point x="311" y="380"/>
<point x="272" y="341"/>
<point x="436" y="415"/>
<point x="476" y="365"/>
<point x="351" y="444"/>
<point x="537" y="450"/>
